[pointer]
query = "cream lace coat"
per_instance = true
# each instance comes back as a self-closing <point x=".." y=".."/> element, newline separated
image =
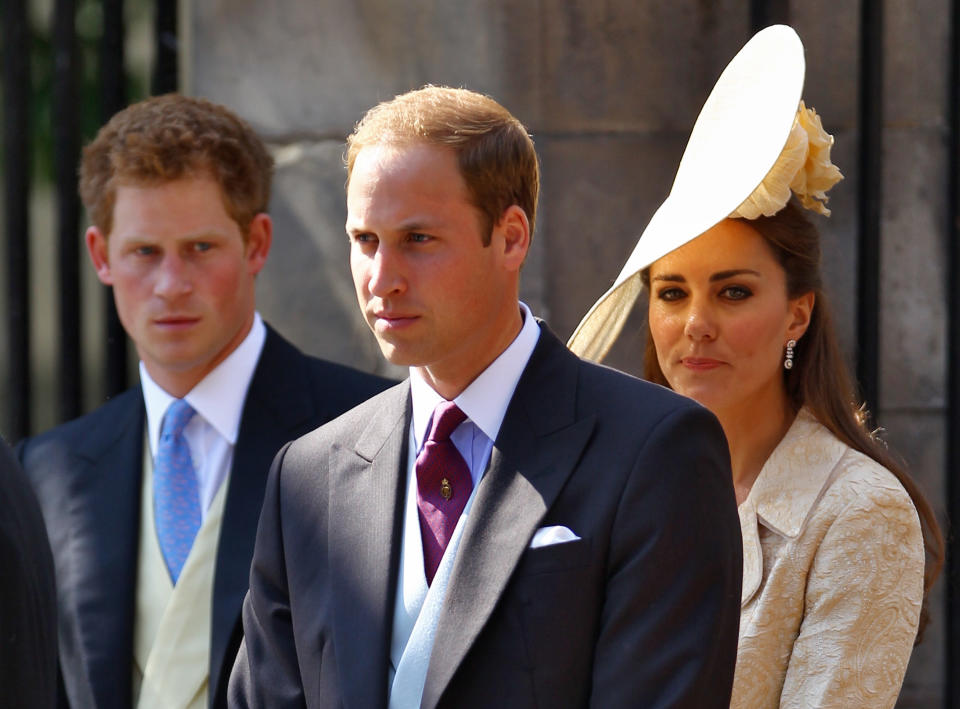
<point x="832" y="578"/>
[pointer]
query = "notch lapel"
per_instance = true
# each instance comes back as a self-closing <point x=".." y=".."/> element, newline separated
<point x="538" y="447"/>
<point x="277" y="409"/>
<point x="366" y="502"/>
<point x="97" y="588"/>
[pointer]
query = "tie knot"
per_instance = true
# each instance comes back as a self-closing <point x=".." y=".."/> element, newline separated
<point x="446" y="417"/>
<point x="177" y="417"/>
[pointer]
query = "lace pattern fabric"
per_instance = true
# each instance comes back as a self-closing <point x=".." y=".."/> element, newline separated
<point x="833" y="578"/>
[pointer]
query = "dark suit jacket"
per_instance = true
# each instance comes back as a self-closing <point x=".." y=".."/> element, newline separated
<point x="642" y="611"/>
<point x="87" y="475"/>
<point x="28" y="600"/>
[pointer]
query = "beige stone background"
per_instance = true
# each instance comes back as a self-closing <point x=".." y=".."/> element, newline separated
<point x="609" y="90"/>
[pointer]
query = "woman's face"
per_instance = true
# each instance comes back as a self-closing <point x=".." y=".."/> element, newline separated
<point x="720" y="318"/>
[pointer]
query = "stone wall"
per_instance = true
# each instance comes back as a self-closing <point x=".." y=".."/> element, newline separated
<point x="609" y="90"/>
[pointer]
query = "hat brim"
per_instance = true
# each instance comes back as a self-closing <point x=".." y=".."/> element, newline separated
<point x="740" y="132"/>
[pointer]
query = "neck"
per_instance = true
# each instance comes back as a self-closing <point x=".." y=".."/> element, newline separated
<point x="449" y="382"/>
<point x="753" y="430"/>
<point x="179" y="381"/>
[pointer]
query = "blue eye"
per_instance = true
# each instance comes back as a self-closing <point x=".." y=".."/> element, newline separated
<point x="736" y="292"/>
<point x="419" y="238"/>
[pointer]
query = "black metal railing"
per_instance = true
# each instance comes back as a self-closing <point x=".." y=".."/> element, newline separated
<point x="16" y="143"/>
<point x="66" y="106"/>
<point x="870" y="164"/>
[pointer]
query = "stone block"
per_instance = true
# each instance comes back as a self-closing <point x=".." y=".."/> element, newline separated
<point x="918" y="436"/>
<point x="306" y="290"/>
<point x="916" y="62"/>
<point x="913" y="265"/>
<point x="304" y="69"/>
<point x="611" y="66"/>
<point x="830" y="30"/>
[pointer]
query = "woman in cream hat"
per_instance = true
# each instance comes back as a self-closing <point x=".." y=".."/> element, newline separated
<point x="839" y="545"/>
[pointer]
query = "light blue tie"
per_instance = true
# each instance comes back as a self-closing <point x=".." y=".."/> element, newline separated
<point x="176" y="498"/>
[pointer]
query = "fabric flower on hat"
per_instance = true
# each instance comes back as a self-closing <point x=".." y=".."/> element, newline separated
<point x="803" y="168"/>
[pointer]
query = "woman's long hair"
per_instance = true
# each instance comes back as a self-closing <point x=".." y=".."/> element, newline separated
<point x="819" y="379"/>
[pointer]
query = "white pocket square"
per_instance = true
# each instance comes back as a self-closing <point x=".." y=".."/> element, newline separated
<point x="546" y="536"/>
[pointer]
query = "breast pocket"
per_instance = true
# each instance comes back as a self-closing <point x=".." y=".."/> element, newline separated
<point x="555" y="557"/>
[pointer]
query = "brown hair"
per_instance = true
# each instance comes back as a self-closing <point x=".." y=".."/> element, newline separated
<point x="819" y="379"/>
<point x="494" y="151"/>
<point x="169" y="137"/>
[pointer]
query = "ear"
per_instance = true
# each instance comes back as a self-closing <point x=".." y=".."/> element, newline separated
<point x="259" y="239"/>
<point x="801" y="310"/>
<point x="514" y="229"/>
<point x="98" y="249"/>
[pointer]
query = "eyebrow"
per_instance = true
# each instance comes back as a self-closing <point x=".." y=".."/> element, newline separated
<point x="416" y="225"/>
<point x="718" y="276"/>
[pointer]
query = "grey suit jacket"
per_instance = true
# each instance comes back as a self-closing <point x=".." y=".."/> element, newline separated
<point x="642" y="611"/>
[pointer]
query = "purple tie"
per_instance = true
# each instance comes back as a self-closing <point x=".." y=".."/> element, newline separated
<point x="176" y="498"/>
<point x="443" y="485"/>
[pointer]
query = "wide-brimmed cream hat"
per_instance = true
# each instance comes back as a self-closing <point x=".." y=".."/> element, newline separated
<point x="739" y="136"/>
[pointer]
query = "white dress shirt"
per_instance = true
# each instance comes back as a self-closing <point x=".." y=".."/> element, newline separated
<point x="218" y="400"/>
<point x="484" y="402"/>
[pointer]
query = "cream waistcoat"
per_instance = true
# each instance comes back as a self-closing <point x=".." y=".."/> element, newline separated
<point x="171" y="639"/>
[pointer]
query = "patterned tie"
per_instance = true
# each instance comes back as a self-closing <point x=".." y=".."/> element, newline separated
<point x="175" y="493"/>
<point x="443" y="485"/>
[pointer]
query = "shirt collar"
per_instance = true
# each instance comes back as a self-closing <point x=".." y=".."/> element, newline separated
<point x="486" y="399"/>
<point x="219" y="396"/>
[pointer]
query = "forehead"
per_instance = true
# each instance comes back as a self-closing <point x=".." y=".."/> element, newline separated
<point x="184" y="205"/>
<point x="731" y="244"/>
<point x="399" y="181"/>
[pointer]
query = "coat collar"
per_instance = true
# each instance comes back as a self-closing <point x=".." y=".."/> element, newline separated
<point x="538" y="446"/>
<point x="364" y="547"/>
<point x="790" y="484"/>
<point x="278" y="407"/>
<point x="94" y="585"/>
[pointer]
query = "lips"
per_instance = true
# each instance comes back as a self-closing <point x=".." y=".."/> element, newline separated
<point x="390" y="320"/>
<point x="176" y="321"/>
<point x="700" y="363"/>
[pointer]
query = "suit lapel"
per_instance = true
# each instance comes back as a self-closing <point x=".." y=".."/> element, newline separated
<point x="539" y="444"/>
<point x="364" y="548"/>
<point x="277" y="409"/>
<point x="99" y="587"/>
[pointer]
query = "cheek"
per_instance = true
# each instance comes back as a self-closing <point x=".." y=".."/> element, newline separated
<point x="665" y="328"/>
<point x="757" y="337"/>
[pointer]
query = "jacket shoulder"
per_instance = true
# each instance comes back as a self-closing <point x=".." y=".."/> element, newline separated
<point x="102" y="425"/>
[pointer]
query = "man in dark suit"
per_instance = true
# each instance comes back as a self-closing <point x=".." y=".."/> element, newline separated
<point x="151" y="501"/>
<point x="512" y="526"/>
<point x="28" y="600"/>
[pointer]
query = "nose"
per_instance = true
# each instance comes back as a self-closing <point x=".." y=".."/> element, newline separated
<point x="173" y="279"/>
<point x="385" y="273"/>
<point x="700" y="323"/>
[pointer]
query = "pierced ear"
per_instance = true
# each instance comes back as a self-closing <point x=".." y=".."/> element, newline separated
<point x="801" y="310"/>
<point x="97" y="248"/>
<point x="259" y="240"/>
<point x="515" y="229"/>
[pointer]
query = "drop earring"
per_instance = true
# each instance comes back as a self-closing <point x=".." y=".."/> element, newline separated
<point x="788" y="360"/>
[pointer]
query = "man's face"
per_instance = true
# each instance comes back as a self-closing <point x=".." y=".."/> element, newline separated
<point x="182" y="277"/>
<point x="435" y="297"/>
